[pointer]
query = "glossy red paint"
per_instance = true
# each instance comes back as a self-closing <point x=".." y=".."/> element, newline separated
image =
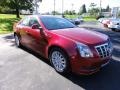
<point x="41" y="41"/>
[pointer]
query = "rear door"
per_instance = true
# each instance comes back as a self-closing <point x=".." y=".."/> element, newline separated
<point x="24" y="30"/>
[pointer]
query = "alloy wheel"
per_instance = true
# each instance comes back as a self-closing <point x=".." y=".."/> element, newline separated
<point x="58" y="61"/>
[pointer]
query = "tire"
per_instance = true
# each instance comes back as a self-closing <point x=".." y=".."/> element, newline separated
<point x="17" y="40"/>
<point x="59" y="60"/>
<point x="113" y="29"/>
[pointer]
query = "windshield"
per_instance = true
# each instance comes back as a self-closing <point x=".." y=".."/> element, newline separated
<point x="53" y="23"/>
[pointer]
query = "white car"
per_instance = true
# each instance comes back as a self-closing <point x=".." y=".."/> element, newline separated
<point x="114" y="24"/>
<point x="101" y="20"/>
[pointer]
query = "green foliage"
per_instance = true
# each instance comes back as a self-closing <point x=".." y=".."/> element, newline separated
<point x="18" y="5"/>
<point x="13" y="4"/>
<point x="107" y="8"/>
<point x="4" y="10"/>
<point x="69" y="12"/>
<point x="93" y="10"/>
<point x="6" y="23"/>
<point x="66" y="12"/>
<point x="55" y="13"/>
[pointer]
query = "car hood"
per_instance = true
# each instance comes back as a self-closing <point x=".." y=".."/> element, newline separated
<point x="82" y="35"/>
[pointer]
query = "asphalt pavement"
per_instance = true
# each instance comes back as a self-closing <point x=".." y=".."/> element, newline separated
<point x="22" y="69"/>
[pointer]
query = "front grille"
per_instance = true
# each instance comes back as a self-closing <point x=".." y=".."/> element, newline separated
<point x="103" y="50"/>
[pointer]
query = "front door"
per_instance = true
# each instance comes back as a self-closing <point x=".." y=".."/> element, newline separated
<point x="37" y="40"/>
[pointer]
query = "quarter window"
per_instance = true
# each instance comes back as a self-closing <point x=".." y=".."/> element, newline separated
<point x="25" y="21"/>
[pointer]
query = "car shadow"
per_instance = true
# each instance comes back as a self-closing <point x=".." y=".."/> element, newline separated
<point x="9" y="38"/>
<point x="108" y="78"/>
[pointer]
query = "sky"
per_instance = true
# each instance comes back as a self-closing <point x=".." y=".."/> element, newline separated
<point x="48" y="5"/>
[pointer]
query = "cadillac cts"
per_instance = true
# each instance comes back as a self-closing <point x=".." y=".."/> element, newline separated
<point x="68" y="47"/>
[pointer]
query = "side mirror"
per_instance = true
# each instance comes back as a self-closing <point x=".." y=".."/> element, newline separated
<point x="35" y="26"/>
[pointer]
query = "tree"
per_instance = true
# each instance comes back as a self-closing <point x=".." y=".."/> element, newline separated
<point x="92" y="5"/>
<point x="72" y="12"/>
<point x="82" y="9"/>
<point x="55" y="13"/>
<point x="66" y="12"/>
<point x="5" y="10"/>
<point x="93" y="10"/>
<point x="18" y="5"/>
<point x="107" y="8"/>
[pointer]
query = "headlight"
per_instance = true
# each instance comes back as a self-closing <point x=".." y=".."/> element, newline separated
<point x="84" y="50"/>
<point x="110" y="46"/>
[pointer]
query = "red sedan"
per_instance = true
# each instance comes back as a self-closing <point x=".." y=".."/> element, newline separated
<point x="68" y="47"/>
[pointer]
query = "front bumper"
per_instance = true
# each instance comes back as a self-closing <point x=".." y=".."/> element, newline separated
<point x="88" y="66"/>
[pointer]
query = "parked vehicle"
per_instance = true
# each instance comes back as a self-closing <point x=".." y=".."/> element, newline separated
<point x="114" y="24"/>
<point x="105" y="22"/>
<point x="68" y="47"/>
<point x="101" y="20"/>
<point x="79" y="20"/>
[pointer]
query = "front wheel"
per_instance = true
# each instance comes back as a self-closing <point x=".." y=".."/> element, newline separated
<point x="59" y="60"/>
<point x="17" y="41"/>
<point x="113" y="29"/>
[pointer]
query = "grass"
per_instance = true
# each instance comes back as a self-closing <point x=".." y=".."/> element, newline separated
<point x="6" y="23"/>
<point x="3" y="16"/>
<point x="85" y="18"/>
<point x="71" y="16"/>
<point x="89" y="19"/>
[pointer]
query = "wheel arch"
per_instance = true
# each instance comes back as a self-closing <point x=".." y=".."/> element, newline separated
<point x="15" y="33"/>
<point x="56" y="46"/>
<point x="69" y="67"/>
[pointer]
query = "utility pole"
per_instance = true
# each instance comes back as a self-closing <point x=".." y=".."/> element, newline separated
<point x="54" y="7"/>
<point x="100" y="7"/>
<point x="62" y="8"/>
<point x="72" y="7"/>
<point x="36" y="7"/>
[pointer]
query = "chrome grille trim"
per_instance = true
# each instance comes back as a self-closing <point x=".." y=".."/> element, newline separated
<point x="103" y="50"/>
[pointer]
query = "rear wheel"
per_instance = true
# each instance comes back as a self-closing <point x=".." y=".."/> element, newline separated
<point x="17" y="41"/>
<point x="59" y="60"/>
